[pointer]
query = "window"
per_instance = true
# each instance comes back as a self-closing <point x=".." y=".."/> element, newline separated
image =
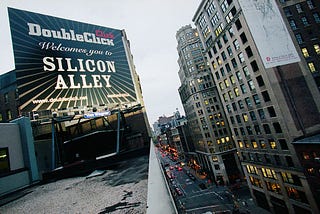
<point x="257" y="129"/>
<point x="256" y="99"/>
<point x="287" y="11"/>
<point x="272" y="144"/>
<point x="225" y="38"/>
<point x="240" y="144"/>
<point x="310" y="4"/>
<point x="251" y="85"/>
<point x="234" y="63"/>
<point x="232" y="79"/>
<point x="234" y="107"/>
<point x="202" y="22"/>
<point x="243" y="88"/>
<point x="296" y="194"/>
<point x="221" y="85"/>
<point x="249" y="130"/>
<point x="228" y="67"/>
<point x="311" y="66"/>
<point x="230" y="94"/>
<point x="217" y="75"/>
<point x="304" y="21"/>
<point x="222" y="72"/>
<point x="254" y="144"/>
<point x="263" y="144"/>
<point x="223" y="55"/>
<point x="206" y="32"/>
<point x="268" y="173"/>
<point x="252" y="115"/>
<point x="299" y="38"/>
<point x="266" y="128"/>
<point x="229" y="51"/>
<point x="249" y="52"/>
<point x="261" y="114"/>
<point x="238" y="24"/>
<point x="254" y="66"/>
<point x="211" y="9"/>
<point x="283" y="144"/>
<point x="241" y="57"/>
<point x="277" y="127"/>
<point x="226" y="82"/>
<point x="265" y="96"/>
<point x="219" y="29"/>
<point x="4" y="160"/>
<point x="6" y="98"/>
<point x="260" y="81"/>
<point x="289" y="161"/>
<point x="228" y="108"/>
<point x="245" y="117"/>
<point x="293" y="24"/>
<point x="243" y="133"/>
<point x="299" y="8"/>
<point x="316" y="17"/>
<point x="236" y="44"/>
<point x="243" y="38"/>
<point x="273" y="187"/>
<point x="224" y="5"/>
<point x="231" y="33"/>
<point x="236" y="91"/>
<point x="240" y="104"/>
<point x="246" y="71"/>
<point x="316" y="48"/>
<point x="238" y="118"/>
<point x="9" y="115"/>
<point x="272" y="112"/>
<point x="239" y="77"/>
<point x="248" y="102"/>
<point x="305" y="52"/>
<point x="229" y="16"/>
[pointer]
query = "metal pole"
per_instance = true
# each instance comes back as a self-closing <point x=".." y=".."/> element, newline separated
<point x="118" y="133"/>
<point x="52" y="149"/>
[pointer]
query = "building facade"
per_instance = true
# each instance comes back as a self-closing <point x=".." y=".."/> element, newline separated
<point x="211" y="135"/>
<point x="268" y="105"/>
<point x="304" y="19"/>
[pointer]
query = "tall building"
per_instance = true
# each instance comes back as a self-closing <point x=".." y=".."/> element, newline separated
<point x="304" y="19"/>
<point x="268" y="93"/>
<point x="211" y="135"/>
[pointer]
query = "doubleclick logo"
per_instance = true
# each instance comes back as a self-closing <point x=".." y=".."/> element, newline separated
<point x="99" y="37"/>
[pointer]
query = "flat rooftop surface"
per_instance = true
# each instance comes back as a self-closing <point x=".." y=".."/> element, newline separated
<point x="121" y="189"/>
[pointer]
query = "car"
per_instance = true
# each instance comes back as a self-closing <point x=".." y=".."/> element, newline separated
<point x="192" y="177"/>
<point x="171" y="167"/>
<point x="179" y="168"/>
<point x="178" y="191"/>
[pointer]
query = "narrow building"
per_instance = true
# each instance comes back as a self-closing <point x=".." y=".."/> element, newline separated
<point x="215" y="150"/>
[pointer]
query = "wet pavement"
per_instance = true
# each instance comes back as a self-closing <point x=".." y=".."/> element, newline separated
<point x="122" y="189"/>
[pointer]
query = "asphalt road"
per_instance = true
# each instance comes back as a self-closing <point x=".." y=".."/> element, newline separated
<point x="122" y="189"/>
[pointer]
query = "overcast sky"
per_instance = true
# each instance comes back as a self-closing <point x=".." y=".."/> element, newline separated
<point x="151" y="26"/>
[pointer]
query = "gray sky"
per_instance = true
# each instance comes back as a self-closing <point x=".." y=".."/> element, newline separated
<point x="150" y="25"/>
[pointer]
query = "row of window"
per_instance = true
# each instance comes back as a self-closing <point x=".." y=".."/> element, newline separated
<point x="292" y="192"/>
<point x="304" y="20"/>
<point x="261" y="144"/>
<point x="267" y="158"/>
<point x="287" y="177"/>
<point x="298" y="7"/>
<point x="257" y="130"/>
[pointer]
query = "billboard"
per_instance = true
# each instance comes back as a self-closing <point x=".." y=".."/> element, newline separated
<point x="269" y="32"/>
<point x="61" y="63"/>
